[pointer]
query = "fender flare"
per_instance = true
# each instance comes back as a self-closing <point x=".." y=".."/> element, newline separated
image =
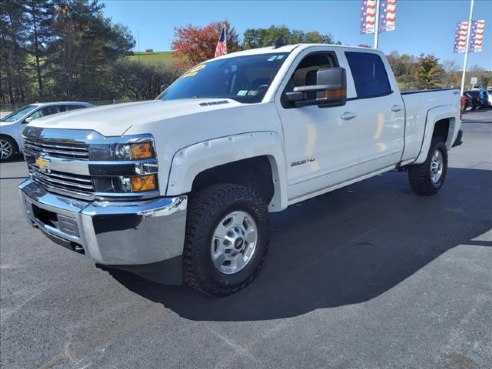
<point x="434" y="115"/>
<point x="191" y="160"/>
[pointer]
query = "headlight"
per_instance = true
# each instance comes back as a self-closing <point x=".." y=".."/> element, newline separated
<point x="125" y="148"/>
<point x="133" y="151"/>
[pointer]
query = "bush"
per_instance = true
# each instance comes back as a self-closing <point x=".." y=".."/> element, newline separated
<point x="139" y="81"/>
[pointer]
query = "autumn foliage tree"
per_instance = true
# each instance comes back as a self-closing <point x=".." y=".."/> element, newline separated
<point x="194" y="44"/>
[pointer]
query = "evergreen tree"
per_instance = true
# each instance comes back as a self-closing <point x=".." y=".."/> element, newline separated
<point x="13" y="36"/>
<point x="39" y="16"/>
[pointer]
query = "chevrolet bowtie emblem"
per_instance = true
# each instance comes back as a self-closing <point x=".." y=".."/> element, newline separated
<point x="42" y="163"/>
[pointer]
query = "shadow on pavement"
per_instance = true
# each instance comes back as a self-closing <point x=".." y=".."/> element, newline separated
<point x="344" y="248"/>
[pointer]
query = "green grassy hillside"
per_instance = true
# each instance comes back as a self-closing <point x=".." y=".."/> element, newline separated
<point x="157" y="57"/>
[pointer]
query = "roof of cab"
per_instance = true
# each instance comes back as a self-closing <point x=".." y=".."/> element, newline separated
<point x="285" y="49"/>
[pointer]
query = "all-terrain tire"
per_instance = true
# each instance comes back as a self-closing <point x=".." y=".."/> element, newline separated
<point x="206" y="210"/>
<point x="422" y="180"/>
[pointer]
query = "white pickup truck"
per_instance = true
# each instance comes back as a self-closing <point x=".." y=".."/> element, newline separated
<point x="179" y="189"/>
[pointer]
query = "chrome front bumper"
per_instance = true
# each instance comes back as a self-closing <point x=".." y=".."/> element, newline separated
<point x="111" y="233"/>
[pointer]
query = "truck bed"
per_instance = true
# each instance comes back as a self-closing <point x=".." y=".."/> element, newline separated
<point x="418" y="105"/>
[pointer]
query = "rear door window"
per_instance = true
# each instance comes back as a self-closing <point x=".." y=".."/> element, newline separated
<point x="369" y="74"/>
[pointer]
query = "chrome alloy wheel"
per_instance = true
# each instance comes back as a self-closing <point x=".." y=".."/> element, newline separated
<point x="6" y="149"/>
<point x="436" y="166"/>
<point x="234" y="242"/>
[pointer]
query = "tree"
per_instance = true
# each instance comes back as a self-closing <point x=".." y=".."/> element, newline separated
<point x="39" y="17"/>
<point x="85" y="46"/>
<point x="429" y="72"/>
<point x="194" y="44"/>
<point x="264" y="37"/>
<point x="452" y="75"/>
<point x="403" y="67"/>
<point x="13" y="36"/>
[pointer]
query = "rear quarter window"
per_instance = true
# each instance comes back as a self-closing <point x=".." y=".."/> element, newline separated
<point x="369" y="74"/>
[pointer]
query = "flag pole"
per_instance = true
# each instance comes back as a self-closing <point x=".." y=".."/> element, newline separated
<point x="467" y="46"/>
<point x="376" y="26"/>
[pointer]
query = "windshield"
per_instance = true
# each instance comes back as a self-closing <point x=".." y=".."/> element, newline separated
<point x="16" y="115"/>
<point x="243" y="78"/>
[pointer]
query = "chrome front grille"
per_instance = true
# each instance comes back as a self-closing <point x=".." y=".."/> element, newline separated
<point x="58" y="150"/>
<point x="82" y="185"/>
<point x="82" y="163"/>
<point x="48" y="150"/>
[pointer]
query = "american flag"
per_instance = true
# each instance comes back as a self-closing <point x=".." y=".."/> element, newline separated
<point x="476" y="36"/>
<point x="221" y="48"/>
<point x="460" y="37"/>
<point x="387" y="14"/>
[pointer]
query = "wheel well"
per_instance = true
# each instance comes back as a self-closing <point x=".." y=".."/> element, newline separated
<point x="254" y="173"/>
<point x="441" y="129"/>
<point x="16" y="146"/>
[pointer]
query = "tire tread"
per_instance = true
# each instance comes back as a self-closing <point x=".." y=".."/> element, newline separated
<point x="419" y="174"/>
<point x="208" y="204"/>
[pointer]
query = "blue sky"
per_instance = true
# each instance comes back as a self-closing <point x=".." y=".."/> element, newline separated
<point x="421" y="26"/>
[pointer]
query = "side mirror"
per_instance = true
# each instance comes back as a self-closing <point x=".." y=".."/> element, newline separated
<point x="28" y="120"/>
<point x="330" y="88"/>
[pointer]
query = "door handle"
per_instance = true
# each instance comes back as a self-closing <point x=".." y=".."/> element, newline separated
<point x="396" y="108"/>
<point x="348" y="115"/>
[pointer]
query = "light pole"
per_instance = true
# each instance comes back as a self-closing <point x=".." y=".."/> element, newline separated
<point x="376" y="26"/>
<point x="467" y="45"/>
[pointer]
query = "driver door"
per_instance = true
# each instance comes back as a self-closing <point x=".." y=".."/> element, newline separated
<point x="321" y="143"/>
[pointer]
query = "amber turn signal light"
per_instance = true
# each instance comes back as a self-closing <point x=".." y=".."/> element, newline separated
<point x="143" y="183"/>
<point x="142" y="150"/>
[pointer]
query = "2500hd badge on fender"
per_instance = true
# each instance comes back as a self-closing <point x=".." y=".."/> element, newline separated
<point x="180" y="188"/>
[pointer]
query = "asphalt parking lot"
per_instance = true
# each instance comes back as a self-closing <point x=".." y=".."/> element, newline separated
<point x="370" y="276"/>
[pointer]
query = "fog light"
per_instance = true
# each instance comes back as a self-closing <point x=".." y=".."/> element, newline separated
<point x="121" y="184"/>
<point x="143" y="183"/>
<point x="142" y="150"/>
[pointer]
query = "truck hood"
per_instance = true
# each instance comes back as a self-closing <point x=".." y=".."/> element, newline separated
<point x="115" y="120"/>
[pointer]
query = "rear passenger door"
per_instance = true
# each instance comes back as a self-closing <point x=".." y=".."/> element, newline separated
<point x="378" y="112"/>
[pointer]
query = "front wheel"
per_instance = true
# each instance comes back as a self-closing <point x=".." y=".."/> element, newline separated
<point x="427" y="178"/>
<point x="227" y="236"/>
<point x="7" y="148"/>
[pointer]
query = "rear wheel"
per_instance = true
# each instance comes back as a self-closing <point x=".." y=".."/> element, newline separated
<point x="227" y="239"/>
<point x="427" y="178"/>
<point x="7" y="148"/>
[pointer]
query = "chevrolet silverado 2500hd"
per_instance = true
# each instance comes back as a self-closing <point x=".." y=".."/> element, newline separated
<point x="180" y="188"/>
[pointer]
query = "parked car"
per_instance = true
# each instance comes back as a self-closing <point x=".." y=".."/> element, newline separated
<point x="473" y="100"/>
<point x="179" y="189"/>
<point x="464" y="102"/>
<point x="11" y="126"/>
<point x="489" y="95"/>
